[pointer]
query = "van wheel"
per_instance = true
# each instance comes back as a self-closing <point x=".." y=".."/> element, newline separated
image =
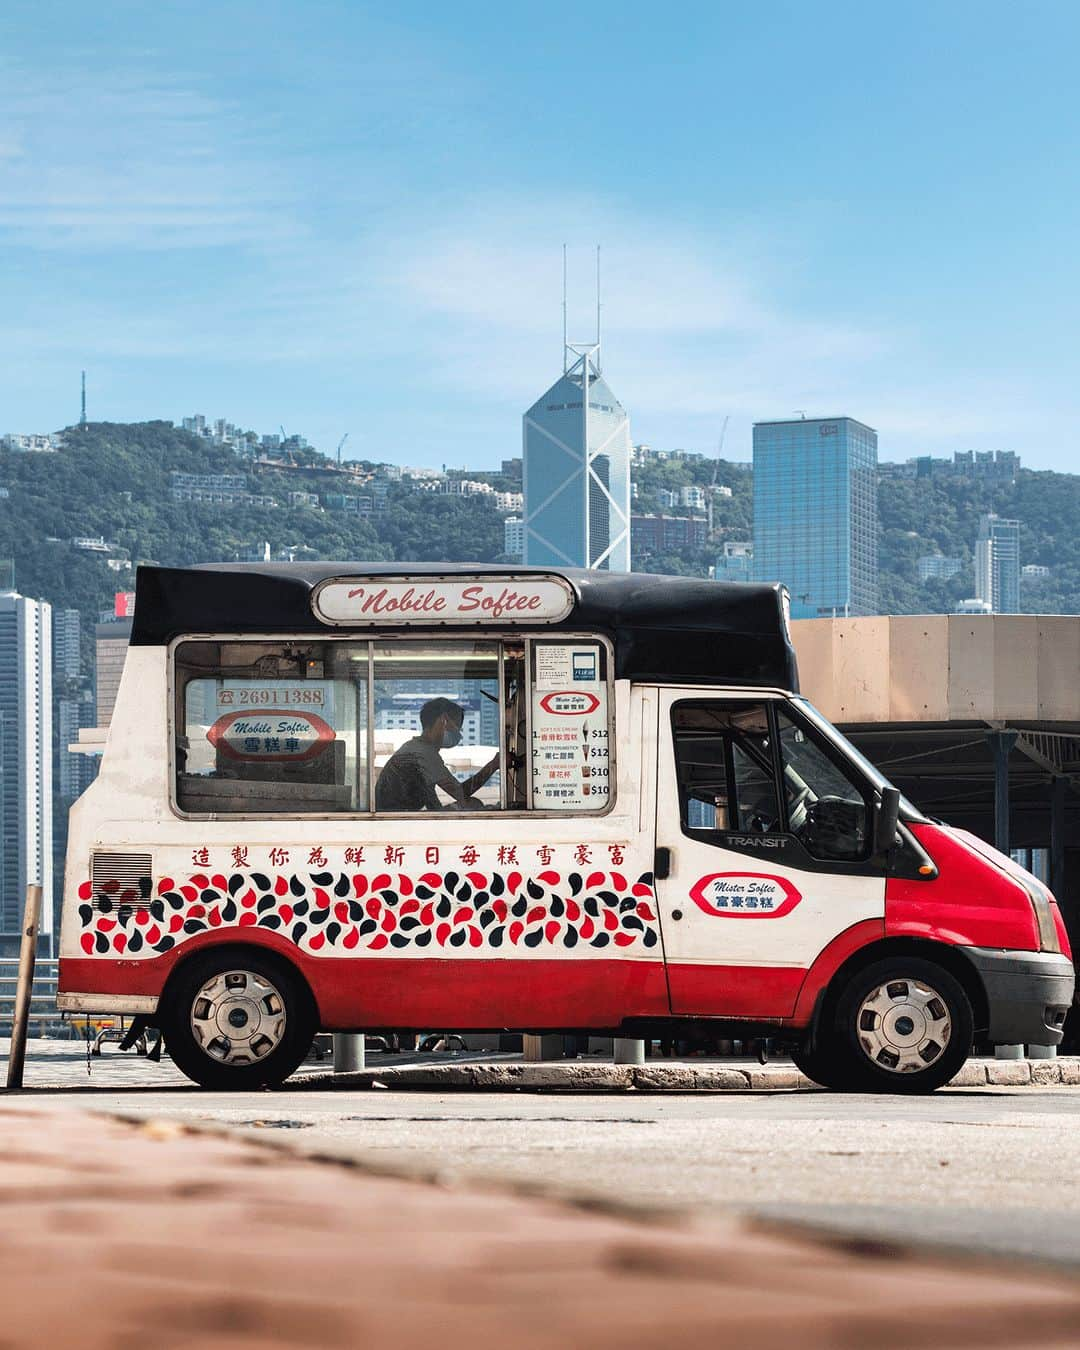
<point x="902" y="1025"/>
<point x="821" y="1065"/>
<point x="238" y="1020"/>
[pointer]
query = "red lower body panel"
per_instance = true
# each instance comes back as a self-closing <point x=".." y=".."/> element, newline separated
<point x="352" y="992"/>
<point x="734" y="991"/>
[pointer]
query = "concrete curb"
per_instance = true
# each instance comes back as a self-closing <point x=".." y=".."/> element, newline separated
<point x="576" y="1076"/>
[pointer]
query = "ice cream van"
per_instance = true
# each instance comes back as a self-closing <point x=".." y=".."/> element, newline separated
<point x="340" y="796"/>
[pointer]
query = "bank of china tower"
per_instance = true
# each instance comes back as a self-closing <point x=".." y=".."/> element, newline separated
<point x="577" y="471"/>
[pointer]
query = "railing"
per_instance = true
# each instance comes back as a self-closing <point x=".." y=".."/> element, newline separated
<point x="45" y="1017"/>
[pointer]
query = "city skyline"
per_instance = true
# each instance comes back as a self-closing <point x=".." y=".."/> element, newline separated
<point x="340" y="242"/>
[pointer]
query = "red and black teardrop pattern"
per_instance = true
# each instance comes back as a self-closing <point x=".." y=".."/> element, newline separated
<point x="334" y="914"/>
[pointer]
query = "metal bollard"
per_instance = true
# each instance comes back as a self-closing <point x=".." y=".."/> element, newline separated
<point x="629" y="1051"/>
<point x="25" y="987"/>
<point x="1008" y="1052"/>
<point x="349" y="1054"/>
<point x="1042" y="1052"/>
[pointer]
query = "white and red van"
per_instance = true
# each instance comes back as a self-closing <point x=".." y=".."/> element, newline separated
<point x="657" y="831"/>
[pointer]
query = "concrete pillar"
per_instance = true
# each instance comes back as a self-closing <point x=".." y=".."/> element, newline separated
<point x="629" y="1051"/>
<point x="1057" y="837"/>
<point x="1008" y="1052"/>
<point x="1042" y="1052"/>
<point x="1001" y="743"/>
<point x="349" y="1053"/>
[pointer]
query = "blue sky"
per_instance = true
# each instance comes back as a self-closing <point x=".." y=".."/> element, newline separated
<point x="338" y="216"/>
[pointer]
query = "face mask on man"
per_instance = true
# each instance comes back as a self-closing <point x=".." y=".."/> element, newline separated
<point x="451" y="736"/>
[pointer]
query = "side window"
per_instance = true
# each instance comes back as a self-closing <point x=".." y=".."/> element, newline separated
<point x="826" y="810"/>
<point x="397" y="727"/>
<point x="438" y="726"/>
<point x="724" y="761"/>
<point x="271" y="727"/>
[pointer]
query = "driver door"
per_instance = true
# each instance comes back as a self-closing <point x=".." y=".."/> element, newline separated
<point x="766" y="837"/>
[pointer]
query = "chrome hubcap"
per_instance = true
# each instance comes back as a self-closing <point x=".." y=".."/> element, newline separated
<point x="238" y="1017"/>
<point x="904" y="1026"/>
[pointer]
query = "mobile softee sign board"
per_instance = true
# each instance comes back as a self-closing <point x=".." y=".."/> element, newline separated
<point x="355" y="602"/>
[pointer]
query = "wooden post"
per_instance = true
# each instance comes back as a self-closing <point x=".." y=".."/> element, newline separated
<point x="25" y="987"/>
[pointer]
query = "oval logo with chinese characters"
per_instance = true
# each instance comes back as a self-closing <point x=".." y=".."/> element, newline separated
<point x="744" y="895"/>
<point x="271" y="736"/>
<point x="570" y="703"/>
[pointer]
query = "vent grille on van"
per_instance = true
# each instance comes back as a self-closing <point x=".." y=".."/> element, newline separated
<point x="121" y="879"/>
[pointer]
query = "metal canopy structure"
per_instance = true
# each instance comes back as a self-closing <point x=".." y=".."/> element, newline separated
<point x="955" y="771"/>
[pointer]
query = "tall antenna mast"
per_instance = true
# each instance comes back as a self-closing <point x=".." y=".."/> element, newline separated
<point x="565" y="362"/>
<point x="82" y="416"/>
<point x="598" y="309"/>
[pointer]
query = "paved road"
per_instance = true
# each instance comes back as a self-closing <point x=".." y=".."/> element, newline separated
<point x="994" y="1169"/>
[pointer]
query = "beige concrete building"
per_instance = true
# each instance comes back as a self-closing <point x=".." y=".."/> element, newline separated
<point x="975" y="717"/>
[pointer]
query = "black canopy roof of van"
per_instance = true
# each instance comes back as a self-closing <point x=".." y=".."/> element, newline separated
<point x="667" y="629"/>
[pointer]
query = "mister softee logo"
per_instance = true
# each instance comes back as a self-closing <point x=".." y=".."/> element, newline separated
<point x="270" y="735"/>
<point x="744" y="895"/>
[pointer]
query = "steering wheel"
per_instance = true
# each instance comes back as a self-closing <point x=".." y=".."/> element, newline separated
<point x="798" y="808"/>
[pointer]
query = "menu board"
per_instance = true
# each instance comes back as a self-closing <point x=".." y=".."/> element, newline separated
<point x="570" y="719"/>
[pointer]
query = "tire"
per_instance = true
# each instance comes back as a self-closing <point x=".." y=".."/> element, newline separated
<point x="238" y="1020"/>
<point x="903" y="1024"/>
<point x="821" y="1065"/>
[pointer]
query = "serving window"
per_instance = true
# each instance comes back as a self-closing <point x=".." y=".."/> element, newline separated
<point x="392" y="727"/>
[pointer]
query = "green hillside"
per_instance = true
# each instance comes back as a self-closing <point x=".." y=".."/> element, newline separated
<point x="940" y="515"/>
<point x="112" y="480"/>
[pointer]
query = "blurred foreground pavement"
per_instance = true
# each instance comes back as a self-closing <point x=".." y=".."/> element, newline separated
<point x="122" y="1233"/>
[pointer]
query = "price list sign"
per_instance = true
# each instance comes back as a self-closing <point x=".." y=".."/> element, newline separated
<point x="570" y="726"/>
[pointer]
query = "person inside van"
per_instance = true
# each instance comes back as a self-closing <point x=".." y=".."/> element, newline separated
<point x="416" y="769"/>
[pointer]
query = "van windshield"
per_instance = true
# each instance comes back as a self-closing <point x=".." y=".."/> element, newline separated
<point x="856" y="757"/>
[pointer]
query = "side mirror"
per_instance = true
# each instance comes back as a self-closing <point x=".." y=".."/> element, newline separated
<point x="886" y="819"/>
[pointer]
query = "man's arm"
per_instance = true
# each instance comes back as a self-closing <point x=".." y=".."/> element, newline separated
<point x="453" y="788"/>
<point x="480" y="777"/>
<point x="459" y="791"/>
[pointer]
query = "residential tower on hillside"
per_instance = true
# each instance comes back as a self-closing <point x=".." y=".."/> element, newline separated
<point x="997" y="564"/>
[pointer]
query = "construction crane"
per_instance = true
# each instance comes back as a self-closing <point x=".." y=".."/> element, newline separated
<point x="286" y="454"/>
<point x="715" y="474"/>
<point x="339" y="445"/>
<point x="719" y="451"/>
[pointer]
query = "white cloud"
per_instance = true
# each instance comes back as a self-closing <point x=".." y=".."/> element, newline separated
<point x="100" y="158"/>
<point x="452" y="308"/>
<point x="686" y="328"/>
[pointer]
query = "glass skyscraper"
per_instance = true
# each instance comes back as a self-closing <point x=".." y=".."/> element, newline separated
<point x="815" y="514"/>
<point x="577" y="473"/>
<point x="26" y="759"/>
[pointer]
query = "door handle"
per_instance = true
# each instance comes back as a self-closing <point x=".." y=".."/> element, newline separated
<point x="662" y="864"/>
